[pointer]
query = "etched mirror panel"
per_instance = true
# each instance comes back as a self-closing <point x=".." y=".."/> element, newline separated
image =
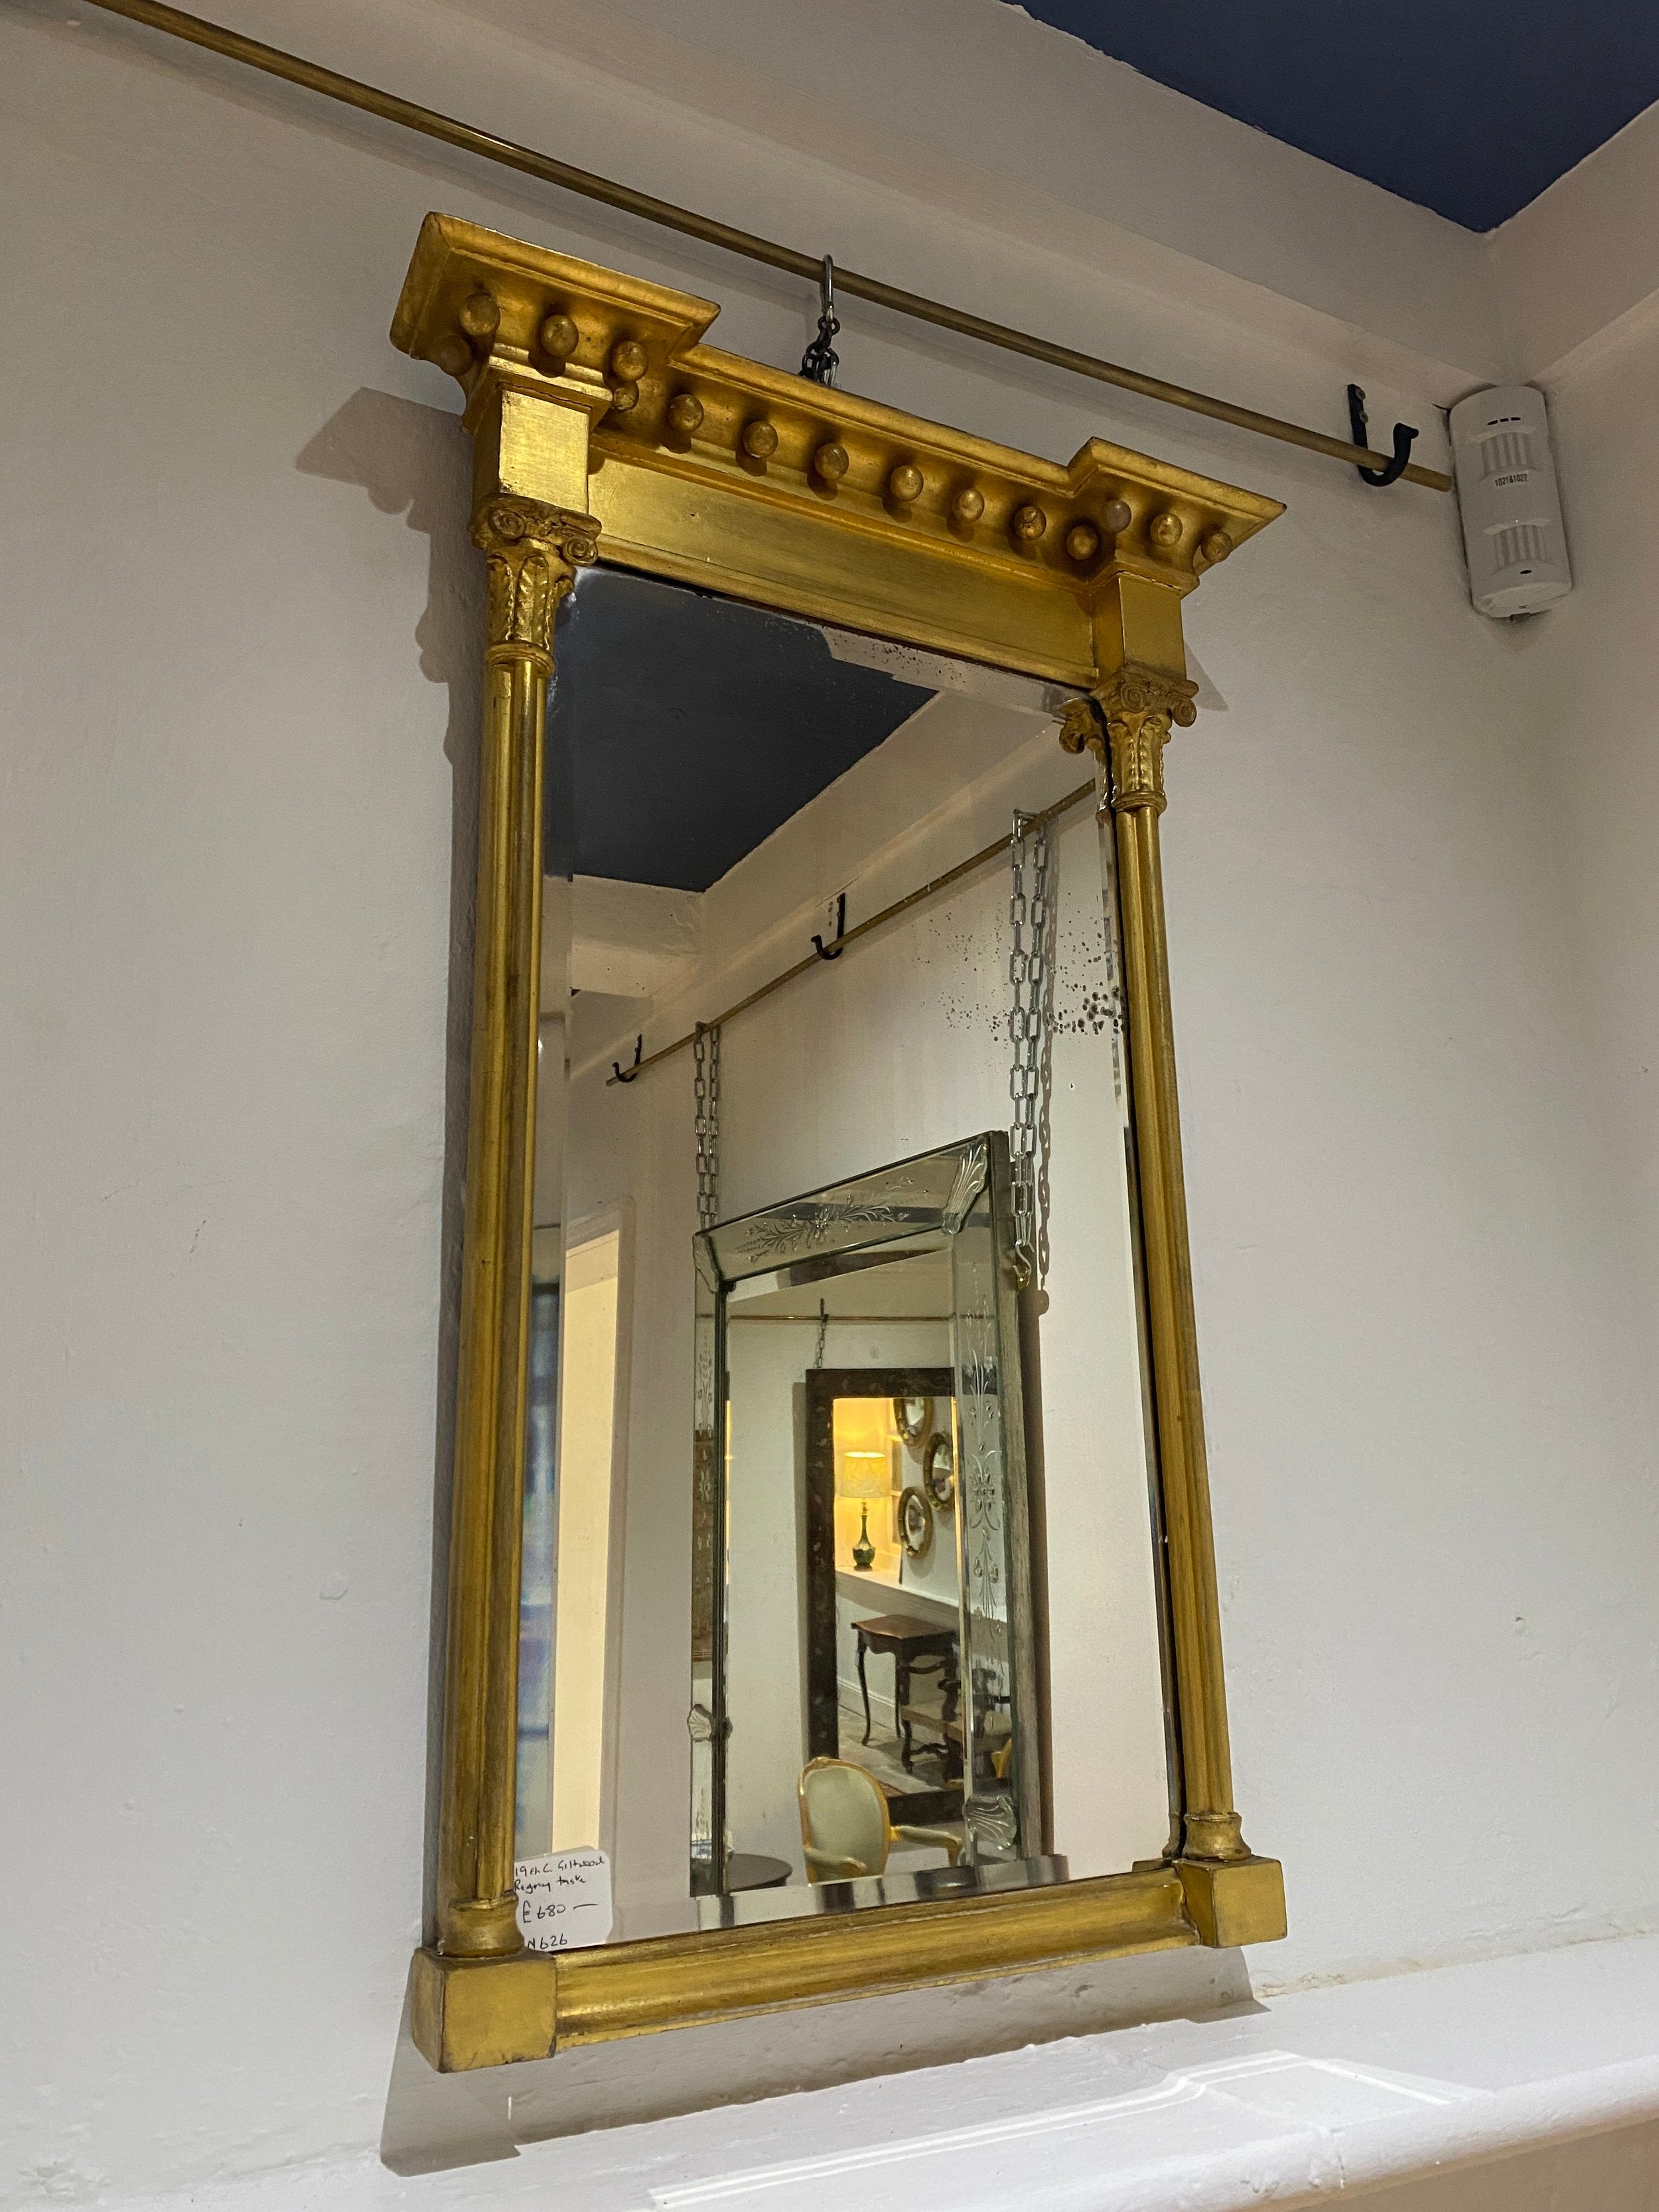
<point x="850" y="1545"/>
<point x="841" y="1578"/>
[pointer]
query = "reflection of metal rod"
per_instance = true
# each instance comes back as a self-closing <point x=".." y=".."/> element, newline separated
<point x="831" y="1321"/>
<point x="355" y="94"/>
<point x="997" y="852"/>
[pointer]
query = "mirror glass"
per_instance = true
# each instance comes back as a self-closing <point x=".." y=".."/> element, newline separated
<point x="936" y="1787"/>
<point x="841" y="1580"/>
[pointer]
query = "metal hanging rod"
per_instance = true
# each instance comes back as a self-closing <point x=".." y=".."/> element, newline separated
<point x="352" y="92"/>
<point x="643" y="1060"/>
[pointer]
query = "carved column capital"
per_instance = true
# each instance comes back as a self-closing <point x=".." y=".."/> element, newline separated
<point x="533" y="553"/>
<point x="1127" y="722"/>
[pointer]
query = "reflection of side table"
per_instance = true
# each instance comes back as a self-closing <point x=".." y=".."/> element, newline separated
<point x="914" y="1647"/>
<point x="754" y="1870"/>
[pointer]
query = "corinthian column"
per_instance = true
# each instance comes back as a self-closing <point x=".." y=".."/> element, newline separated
<point x="1129" y="724"/>
<point x="533" y="552"/>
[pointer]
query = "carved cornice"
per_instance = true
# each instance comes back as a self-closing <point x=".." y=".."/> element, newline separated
<point x="533" y="553"/>
<point x="1127" y="721"/>
<point x="491" y="311"/>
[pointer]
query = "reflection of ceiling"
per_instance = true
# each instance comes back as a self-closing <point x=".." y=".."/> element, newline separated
<point x="629" y="940"/>
<point x="917" y="1287"/>
<point x="684" y="729"/>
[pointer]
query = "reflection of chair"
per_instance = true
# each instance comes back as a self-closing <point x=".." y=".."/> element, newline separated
<point x="844" y="1828"/>
<point x="996" y="1737"/>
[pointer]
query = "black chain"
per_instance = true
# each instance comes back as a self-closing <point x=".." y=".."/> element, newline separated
<point x="820" y="361"/>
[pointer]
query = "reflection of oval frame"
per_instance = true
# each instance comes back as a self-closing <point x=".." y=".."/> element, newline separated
<point x="939" y="1470"/>
<point x="913" y="1418"/>
<point x="915" y="1519"/>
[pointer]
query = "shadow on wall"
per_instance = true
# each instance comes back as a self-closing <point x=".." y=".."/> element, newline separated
<point x="437" y="2121"/>
<point x="413" y="461"/>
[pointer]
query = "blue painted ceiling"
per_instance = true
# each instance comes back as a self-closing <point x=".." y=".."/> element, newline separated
<point x="1467" y="106"/>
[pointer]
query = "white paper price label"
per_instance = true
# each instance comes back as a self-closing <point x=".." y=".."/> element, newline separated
<point x="564" y="1901"/>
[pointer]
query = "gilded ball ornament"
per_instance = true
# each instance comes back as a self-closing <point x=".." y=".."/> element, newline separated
<point x="1217" y="546"/>
<point x="452" y="355"/>
<point x="685" y="412"/>
<point x="1165" y="529"/>
<point x="628" y="361"/>
<point x="559" y="336"/>
<point x="624" y="398"/>
<point x="480" y="318"/>
<point x="969" y="504"/>
<point x="760" y="440"/>
<point x="1029" y="524"/>
<point x="830" y="462"/>
<point x="904" y="484"/>
<point x="1082" y="541"/>
<point x="1118" y="516"/>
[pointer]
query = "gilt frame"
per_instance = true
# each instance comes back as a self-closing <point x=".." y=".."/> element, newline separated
<point x="598" y="416"/>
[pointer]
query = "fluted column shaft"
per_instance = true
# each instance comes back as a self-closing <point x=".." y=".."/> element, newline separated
<point x="1129" y="726"/>
<point x="533" y="551"/>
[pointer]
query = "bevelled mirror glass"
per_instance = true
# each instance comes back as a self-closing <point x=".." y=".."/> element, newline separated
<point x="841" y="1581"/>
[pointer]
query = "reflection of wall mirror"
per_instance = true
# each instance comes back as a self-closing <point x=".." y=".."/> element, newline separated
<point x="915" y="1522"/>
<point x="938" y="1471"/>
<point x="811" y="662"/>
<point x="913" y="1418"/>
<point x="920" y="1253"/>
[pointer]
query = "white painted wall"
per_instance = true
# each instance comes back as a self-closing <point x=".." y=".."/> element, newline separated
<point x="1584" y="256"/>
<point x="1597" y="667"/>
<point x="1411" y="933"/>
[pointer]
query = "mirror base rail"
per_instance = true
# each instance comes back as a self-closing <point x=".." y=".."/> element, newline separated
<point x="472" y="2013"/>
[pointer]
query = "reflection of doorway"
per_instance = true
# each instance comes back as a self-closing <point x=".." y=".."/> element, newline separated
<point x="596" y="1299"/>
<point x="908" y="1750"/>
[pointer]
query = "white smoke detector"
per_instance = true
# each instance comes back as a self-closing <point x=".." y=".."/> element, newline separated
<point x="1506" y="488"/>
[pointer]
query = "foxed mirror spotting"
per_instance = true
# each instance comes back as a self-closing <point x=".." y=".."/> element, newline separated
<point x="830" y="1545"/>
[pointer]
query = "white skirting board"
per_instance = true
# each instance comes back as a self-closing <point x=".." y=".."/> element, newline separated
<point x="1515" y="2085"/>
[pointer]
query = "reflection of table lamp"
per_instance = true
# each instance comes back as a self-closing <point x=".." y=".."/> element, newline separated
<point x="864" y="1476"/>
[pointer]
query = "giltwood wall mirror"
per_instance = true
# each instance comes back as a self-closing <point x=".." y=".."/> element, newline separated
<point x="829" y="1413"/>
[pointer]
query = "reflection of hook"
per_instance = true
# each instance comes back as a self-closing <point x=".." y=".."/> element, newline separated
<point x="833" y="951"/>
<point x="627" y="1074"/>
<point x="1360" y="430"/>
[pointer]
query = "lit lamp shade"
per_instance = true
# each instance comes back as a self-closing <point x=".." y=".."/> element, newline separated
<point x="864" y="1475"/>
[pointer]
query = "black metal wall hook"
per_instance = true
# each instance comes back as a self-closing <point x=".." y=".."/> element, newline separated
<point x="833" y="951"/>
<point x="820" y="361"/>
<point x="627" y="1074"/>
<point x="1359" y="431"/>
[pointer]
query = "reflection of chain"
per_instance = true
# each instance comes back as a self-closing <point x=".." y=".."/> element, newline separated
<point x="1028" y="1018"/>
<point x="706" y="1094"/>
